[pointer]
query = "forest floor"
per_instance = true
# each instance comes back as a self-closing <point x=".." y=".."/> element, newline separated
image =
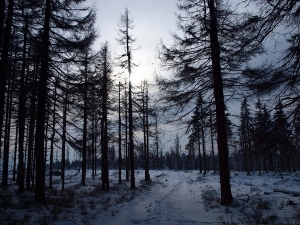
<point x="171" y="197"/>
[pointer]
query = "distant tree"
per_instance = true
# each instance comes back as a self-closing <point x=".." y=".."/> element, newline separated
<point x="245" y="133"/>
<point x="262" y="134"/>
<point x="157" y="140"/>
<point x="282" y="138"/>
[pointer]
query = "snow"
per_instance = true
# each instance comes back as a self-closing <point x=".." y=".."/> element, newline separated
<point x="171" y="197"/>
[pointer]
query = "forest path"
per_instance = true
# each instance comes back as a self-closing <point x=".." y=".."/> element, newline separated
<point x="168" y="202"/>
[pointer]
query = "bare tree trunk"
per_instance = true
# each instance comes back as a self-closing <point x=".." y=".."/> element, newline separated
<point x="21" y="113"/>
<point x="226" y="196"/>
<point x="2" y="10"/>
<point x="63" y="148"/>
<point x="199" y="151"/>
<point x="84" y="139"/>
<point x="104" y="139"/>
<point x="15" y="152"/>
<point x="126" y="136"/>
<point x="147" y="134"/>
<point x="212" y="141"/>
<point x="93" y="141"/>
<point x="203" y="140"/>
<point x="30" y="161"/>
<point x="131" y="147"/>
<point x="4" y="65"/>
<point x="120" y="137"/>
<point x="52" y="136"/>
<point x="144" y="130"/>
<point x="42" y="93"/>
<point x="7" y="136"/>
<point x="156" y="143"/>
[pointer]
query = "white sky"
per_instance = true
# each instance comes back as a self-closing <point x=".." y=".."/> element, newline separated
<point x="153" y="20"/>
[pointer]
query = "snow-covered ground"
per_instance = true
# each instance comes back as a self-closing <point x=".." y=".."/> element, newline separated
<point x="172" y="197"/>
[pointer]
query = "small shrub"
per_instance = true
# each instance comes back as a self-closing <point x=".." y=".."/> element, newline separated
<point x="252" y="218"/>
<point x="82" y="205"/>
<point x="96" y="191"/>
<point x="92" y="204"/>
<point x="263" y="204"/>
<point x="222" y="221"/>
<point x="290" y="202"/>
<point x="25" y="199"/>
<point x="296" y="215"/>
<point x="210" y="198"/>
<point x="55" y="212"/>
<point x="6" y="201"/>
<point x="281" y="205"/>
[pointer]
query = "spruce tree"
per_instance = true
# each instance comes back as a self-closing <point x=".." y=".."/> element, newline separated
<point x="199" y="60"/>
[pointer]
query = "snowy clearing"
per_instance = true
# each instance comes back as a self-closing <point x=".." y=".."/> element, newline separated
<point x="172" y="197"/>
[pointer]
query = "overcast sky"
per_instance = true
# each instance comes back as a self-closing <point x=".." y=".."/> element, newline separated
<point x="153" y="20"/>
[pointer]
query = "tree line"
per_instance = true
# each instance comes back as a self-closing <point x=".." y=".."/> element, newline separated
<point x="58" y="92"/>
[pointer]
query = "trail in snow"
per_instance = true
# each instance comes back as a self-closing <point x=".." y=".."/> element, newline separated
<point x="174" y="205"/>
<point x="173" y="201"/>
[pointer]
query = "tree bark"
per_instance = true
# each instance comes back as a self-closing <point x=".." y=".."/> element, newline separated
<point x="120" y="137"/>
<point x="40" y="122"/>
